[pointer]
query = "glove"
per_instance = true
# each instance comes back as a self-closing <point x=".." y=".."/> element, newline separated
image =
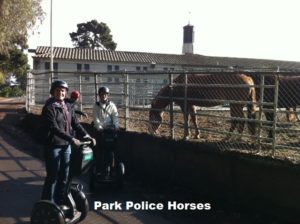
<point x="76" y="143"/>
<point x="89" y="138"/>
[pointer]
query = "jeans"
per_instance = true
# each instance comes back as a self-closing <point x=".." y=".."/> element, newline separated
<point x="57" y="168"/>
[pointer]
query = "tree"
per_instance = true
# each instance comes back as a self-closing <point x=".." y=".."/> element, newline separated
<point x="16" y="19"/>
<point x="93" y="35"/>
<point x="15" y="62"/>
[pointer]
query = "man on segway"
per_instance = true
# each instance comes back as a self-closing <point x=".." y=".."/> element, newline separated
<point x="106" y="122"/>
<point x="105" y="112"/>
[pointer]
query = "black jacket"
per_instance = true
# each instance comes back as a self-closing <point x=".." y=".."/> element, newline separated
<point x="60" y="127"/>
<point x="74" y="106"/>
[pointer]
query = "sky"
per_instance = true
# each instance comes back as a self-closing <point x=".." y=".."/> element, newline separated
<point x="266" y="29"/>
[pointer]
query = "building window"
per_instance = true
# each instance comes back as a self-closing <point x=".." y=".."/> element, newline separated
<point x="86" y="67"/>
<point x="109" y="68"/>
<point x="36" y="64"/>
<point x="79" y="67"/>
<point x="55" y="66"/>
<point x="165" y="69"/>
<point x="109" y="79"/>
<point x="117" y="80"/>
<point x="138" y="68"/>
<point x="86" y="78"/>
<point x="117" y="68"/>
<point x="47" y="65"/>
<point x="145" y="68"/>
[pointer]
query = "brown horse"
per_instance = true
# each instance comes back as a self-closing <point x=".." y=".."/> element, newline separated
<point x="241" y="91"/>
<point x="288" y="95"/>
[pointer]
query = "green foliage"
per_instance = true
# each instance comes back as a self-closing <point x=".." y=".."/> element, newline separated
<point x="15" y="62"/>
<point x="93" y="35"/>
<point x="16" y="18"/>
<point x="2" y="78"/>
<point x="7" y="91"/>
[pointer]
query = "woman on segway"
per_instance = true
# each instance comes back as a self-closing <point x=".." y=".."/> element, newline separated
<point x="106" y="122"/>
<point x="59" y="120"/>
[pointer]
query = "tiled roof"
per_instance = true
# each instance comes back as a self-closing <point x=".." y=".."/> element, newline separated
<point x="143" y="57"/>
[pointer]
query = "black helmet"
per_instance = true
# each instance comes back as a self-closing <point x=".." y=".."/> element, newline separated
<point x="103" y="89"/>
<point x="58" y="83"/>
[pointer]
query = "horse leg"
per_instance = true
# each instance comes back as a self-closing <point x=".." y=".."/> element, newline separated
<point x="291" y="115"/>
<point x="240" y="114"/>
<point x="251" y="114"/>
<point x="233" y="123"/>
<point x="192" y="110"/>
<point x="270" y="117"/>
<point x="185" y="118"/>
<point x="296" y="115"/>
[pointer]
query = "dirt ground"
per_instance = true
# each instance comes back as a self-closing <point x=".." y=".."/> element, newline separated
<point x="213" y="129"/>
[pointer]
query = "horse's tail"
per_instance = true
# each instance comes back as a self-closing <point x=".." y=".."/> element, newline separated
<point x="251" y="109"/>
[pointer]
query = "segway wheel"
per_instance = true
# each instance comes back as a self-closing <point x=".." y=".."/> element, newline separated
<point x="120" y="176"/>
<point x="81" y="202"/>
<point x="46" y="212"/>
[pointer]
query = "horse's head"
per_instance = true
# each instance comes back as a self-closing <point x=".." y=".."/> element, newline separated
<point x="155" y="119"/>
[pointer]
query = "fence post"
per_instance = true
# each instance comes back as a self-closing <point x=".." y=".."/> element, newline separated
<point x="80" y="90"/>
<point x="186" y="115"/>
<point x="275" y="113"/>
<point x="28" y="92"/>
<point x="261" y="99"/>
<point x="126" y="96"/>
<point x="171" y="106"/>
<point x="96" y="86"/>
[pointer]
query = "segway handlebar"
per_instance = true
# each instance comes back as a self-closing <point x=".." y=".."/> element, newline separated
<point x="85" y="143"/>
<point x="81" y="144"/>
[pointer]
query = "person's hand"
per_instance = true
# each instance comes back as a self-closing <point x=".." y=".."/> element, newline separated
<point x="85" y="115"/>
<point x="76" y="143"/>
<point x="89" y="138"/>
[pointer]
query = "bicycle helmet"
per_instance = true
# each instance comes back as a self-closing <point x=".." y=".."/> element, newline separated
<point x="75" y="94"/>
<point x="58" y="83"/>
<point x="103" y="89"/>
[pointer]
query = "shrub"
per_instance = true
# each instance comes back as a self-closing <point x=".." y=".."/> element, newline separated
<point x="8" y="91"/>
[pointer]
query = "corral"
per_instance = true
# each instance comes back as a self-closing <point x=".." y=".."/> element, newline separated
<point x="133" y="93"/>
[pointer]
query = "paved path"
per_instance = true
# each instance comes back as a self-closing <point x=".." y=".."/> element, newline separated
<point x="21" y="177"/>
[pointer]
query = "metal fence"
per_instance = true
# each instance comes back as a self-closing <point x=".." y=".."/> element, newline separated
<point x="217" y="94"/>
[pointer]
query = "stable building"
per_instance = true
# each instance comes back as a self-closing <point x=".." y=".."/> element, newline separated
<point x="69" y="63"/>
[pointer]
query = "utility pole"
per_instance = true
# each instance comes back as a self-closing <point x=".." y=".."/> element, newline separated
<point x="51" y="47"/>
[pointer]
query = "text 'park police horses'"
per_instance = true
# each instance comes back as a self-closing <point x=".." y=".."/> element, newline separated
<point x="207" y="90"/>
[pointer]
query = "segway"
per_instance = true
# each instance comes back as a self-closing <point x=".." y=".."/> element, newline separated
<point x="76" y="206"/>
<point x="107" y="170"/>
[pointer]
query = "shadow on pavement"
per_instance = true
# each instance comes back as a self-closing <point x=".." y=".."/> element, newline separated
<point x="21" y="178"/>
